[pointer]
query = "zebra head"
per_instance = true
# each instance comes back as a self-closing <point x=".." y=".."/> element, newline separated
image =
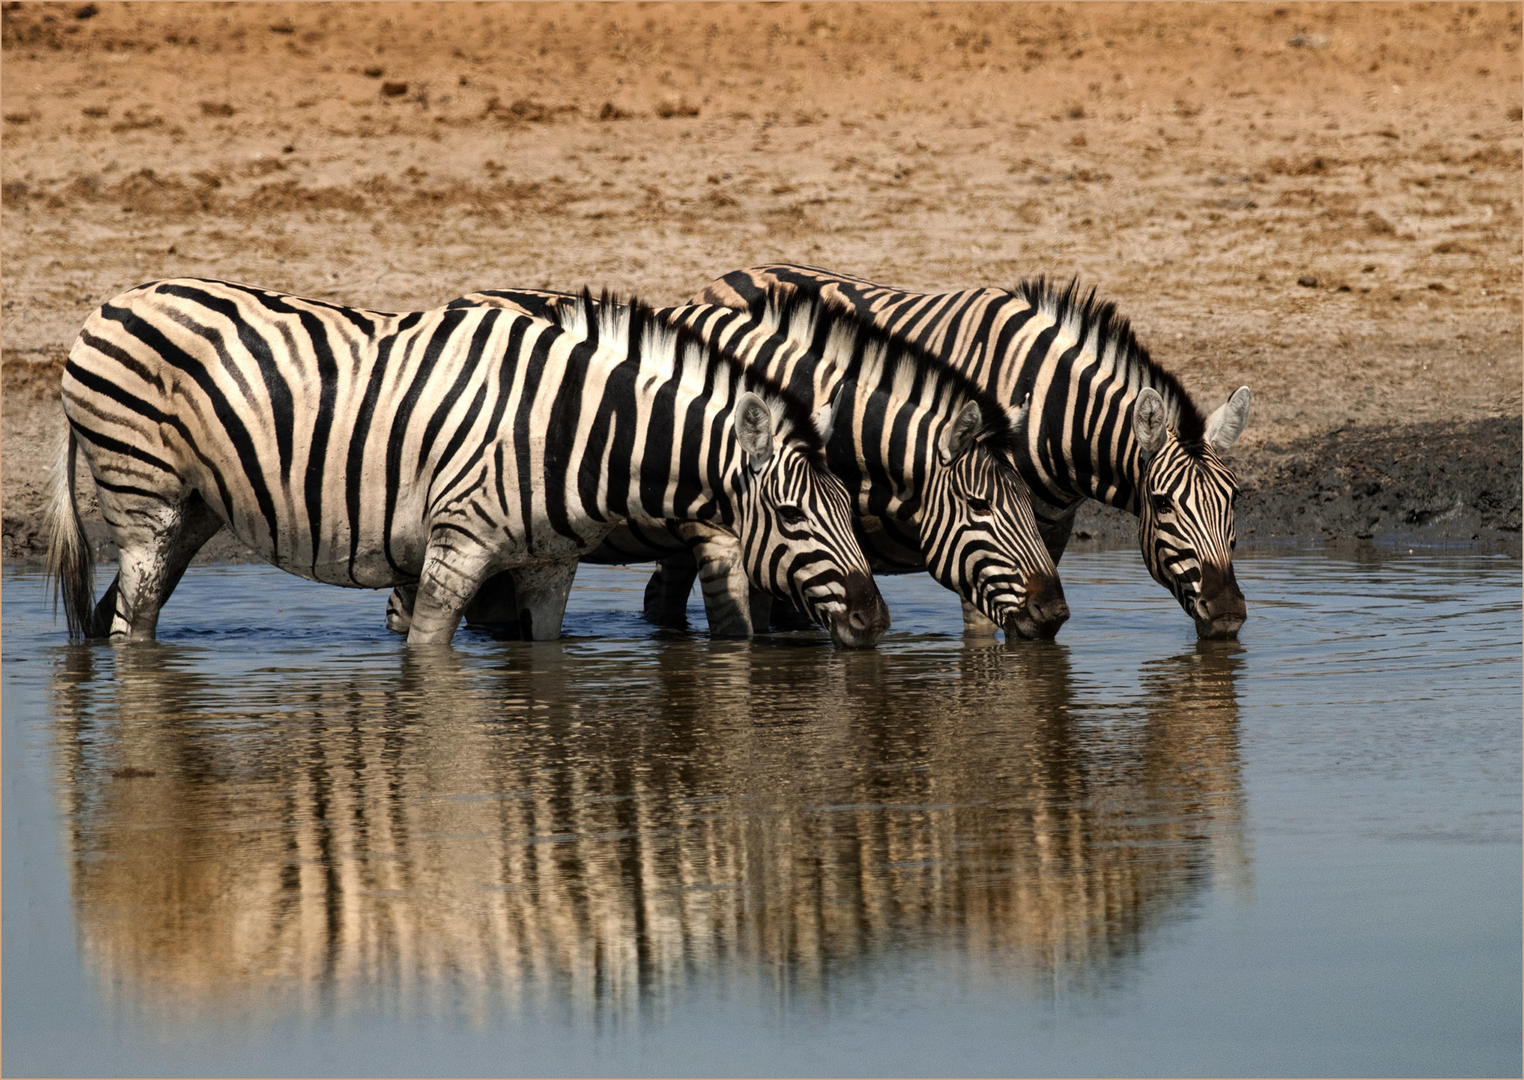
<point x="795" y="523"/>
<point x="978" y="531"/>
<point x="1186" y="511"/>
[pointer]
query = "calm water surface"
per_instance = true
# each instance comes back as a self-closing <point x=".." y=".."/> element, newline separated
<point x="277" y="842"/>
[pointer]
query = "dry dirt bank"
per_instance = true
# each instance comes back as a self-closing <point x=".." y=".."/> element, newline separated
<point x="1322" y="201"/>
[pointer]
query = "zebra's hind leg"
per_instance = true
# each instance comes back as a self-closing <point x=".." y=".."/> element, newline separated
<point x="153" y="555"/>
<point x="542" y="590"/>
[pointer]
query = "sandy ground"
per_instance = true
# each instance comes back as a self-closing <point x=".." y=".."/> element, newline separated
<point x="1322" y="201"/>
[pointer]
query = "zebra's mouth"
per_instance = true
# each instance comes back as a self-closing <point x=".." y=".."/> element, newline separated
<point x="860" y="621"/>
<point x="1037" y="618"/>
<point x="1219" y="619"/>
<point x="1021" y="624"/>
<point x="1221" y="628"/>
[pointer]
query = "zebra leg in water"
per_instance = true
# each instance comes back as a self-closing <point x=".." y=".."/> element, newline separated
<point x="726" y="588"/>
<point x="156" y="540"/>
<point x="666" y="597"/>
<point x="975" y="623"/>
<point x="714" y="558"/>
<point x="524" y="604"/>
<point x="667" y="591"/>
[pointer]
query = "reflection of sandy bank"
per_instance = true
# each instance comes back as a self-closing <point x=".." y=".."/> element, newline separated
<point x="602" y="829"/>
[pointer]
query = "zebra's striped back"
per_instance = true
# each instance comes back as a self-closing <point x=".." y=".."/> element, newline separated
<point x="927" y="454"/>
<point x="1106" y="423"/>
<point x="369" y="448"/>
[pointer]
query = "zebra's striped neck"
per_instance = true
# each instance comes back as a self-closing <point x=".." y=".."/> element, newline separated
<point x="1074" y="355"/>
<point x="675" y="393"/>
<point x="1084" y="368"/>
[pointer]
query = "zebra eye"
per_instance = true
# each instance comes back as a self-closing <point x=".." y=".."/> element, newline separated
<point x="791" y="515"/>
<point x="1161" y="503"/>
<point x="979" y="506"/>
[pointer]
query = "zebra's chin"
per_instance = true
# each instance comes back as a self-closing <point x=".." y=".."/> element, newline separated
<point x="1022" y="624"/>
<point x="1220" y="628"/>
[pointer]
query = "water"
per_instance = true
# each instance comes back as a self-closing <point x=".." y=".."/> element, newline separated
<point x="277" y="843"/>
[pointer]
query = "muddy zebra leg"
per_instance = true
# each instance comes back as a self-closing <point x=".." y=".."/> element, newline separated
<point x="153" y="555"/>
<point x="541" y="592"/>
<point x="454" y="567"/>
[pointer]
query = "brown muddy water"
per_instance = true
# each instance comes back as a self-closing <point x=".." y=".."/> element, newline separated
<point x="278" y="843"/>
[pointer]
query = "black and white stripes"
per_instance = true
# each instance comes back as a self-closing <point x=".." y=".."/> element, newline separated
<point x="926" y="453"/>
<point x="1107" y="422"/>
<point x="439" y="447"/>
<point x="779" y="436"/>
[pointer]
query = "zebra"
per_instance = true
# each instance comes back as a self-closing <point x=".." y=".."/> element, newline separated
<point x="367" y="448"/>
<point x="927" y="453"/>
<point x="1108" y="422"/>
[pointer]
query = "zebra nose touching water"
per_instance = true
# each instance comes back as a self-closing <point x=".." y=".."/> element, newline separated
<point x="1108" y="423"/>
<point x="1186" y="511"/>
<point x="373" y="449"/>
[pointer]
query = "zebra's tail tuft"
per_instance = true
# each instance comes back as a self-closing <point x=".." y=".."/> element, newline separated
<point x="70" y="562"/>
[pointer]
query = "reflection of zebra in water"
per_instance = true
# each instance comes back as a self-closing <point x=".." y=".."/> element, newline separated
<point x="1048" y="847"/>
<point x="927" y="453"/>
<point x="367" y="449"/>
<point x="1107" y="422"/>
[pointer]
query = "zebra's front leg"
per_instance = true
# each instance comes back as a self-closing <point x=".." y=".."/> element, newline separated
<point x="542" y="591"/>
<point x="1055" y="532"/>
<point x="727" y="590"/>
<point x="452" y="572"/>
<point x="399" y="608"/>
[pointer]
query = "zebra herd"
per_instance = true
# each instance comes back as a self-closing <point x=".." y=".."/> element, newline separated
<point x="781" y="437"/>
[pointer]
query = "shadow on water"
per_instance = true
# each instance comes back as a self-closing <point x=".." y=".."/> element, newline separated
<point x="600" y="828"/>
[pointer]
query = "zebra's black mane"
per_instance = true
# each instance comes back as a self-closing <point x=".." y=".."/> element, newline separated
<point x="796" y="421"/>
<point x="826" y="316"/>
<point x="1099" y="319"/>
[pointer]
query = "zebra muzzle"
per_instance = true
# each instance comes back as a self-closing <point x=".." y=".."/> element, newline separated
<point x="863" y="617"/>
<point x="1219" y="609"/>
<point x="1044" y="612"/>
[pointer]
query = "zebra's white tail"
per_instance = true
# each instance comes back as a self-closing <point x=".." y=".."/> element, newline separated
<point x="70" y="563"/>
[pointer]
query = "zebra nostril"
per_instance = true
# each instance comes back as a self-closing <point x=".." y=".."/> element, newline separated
<point x="866" y="610"/>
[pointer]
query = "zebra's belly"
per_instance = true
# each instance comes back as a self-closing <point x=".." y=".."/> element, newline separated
<point x="630" y="543"/>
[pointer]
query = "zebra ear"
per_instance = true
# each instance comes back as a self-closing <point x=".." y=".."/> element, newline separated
<point x="958" y="436"/>
<point x="753" y="422"/>
<point x="1225" y="425"/>
<point x="1148" y="420"/>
